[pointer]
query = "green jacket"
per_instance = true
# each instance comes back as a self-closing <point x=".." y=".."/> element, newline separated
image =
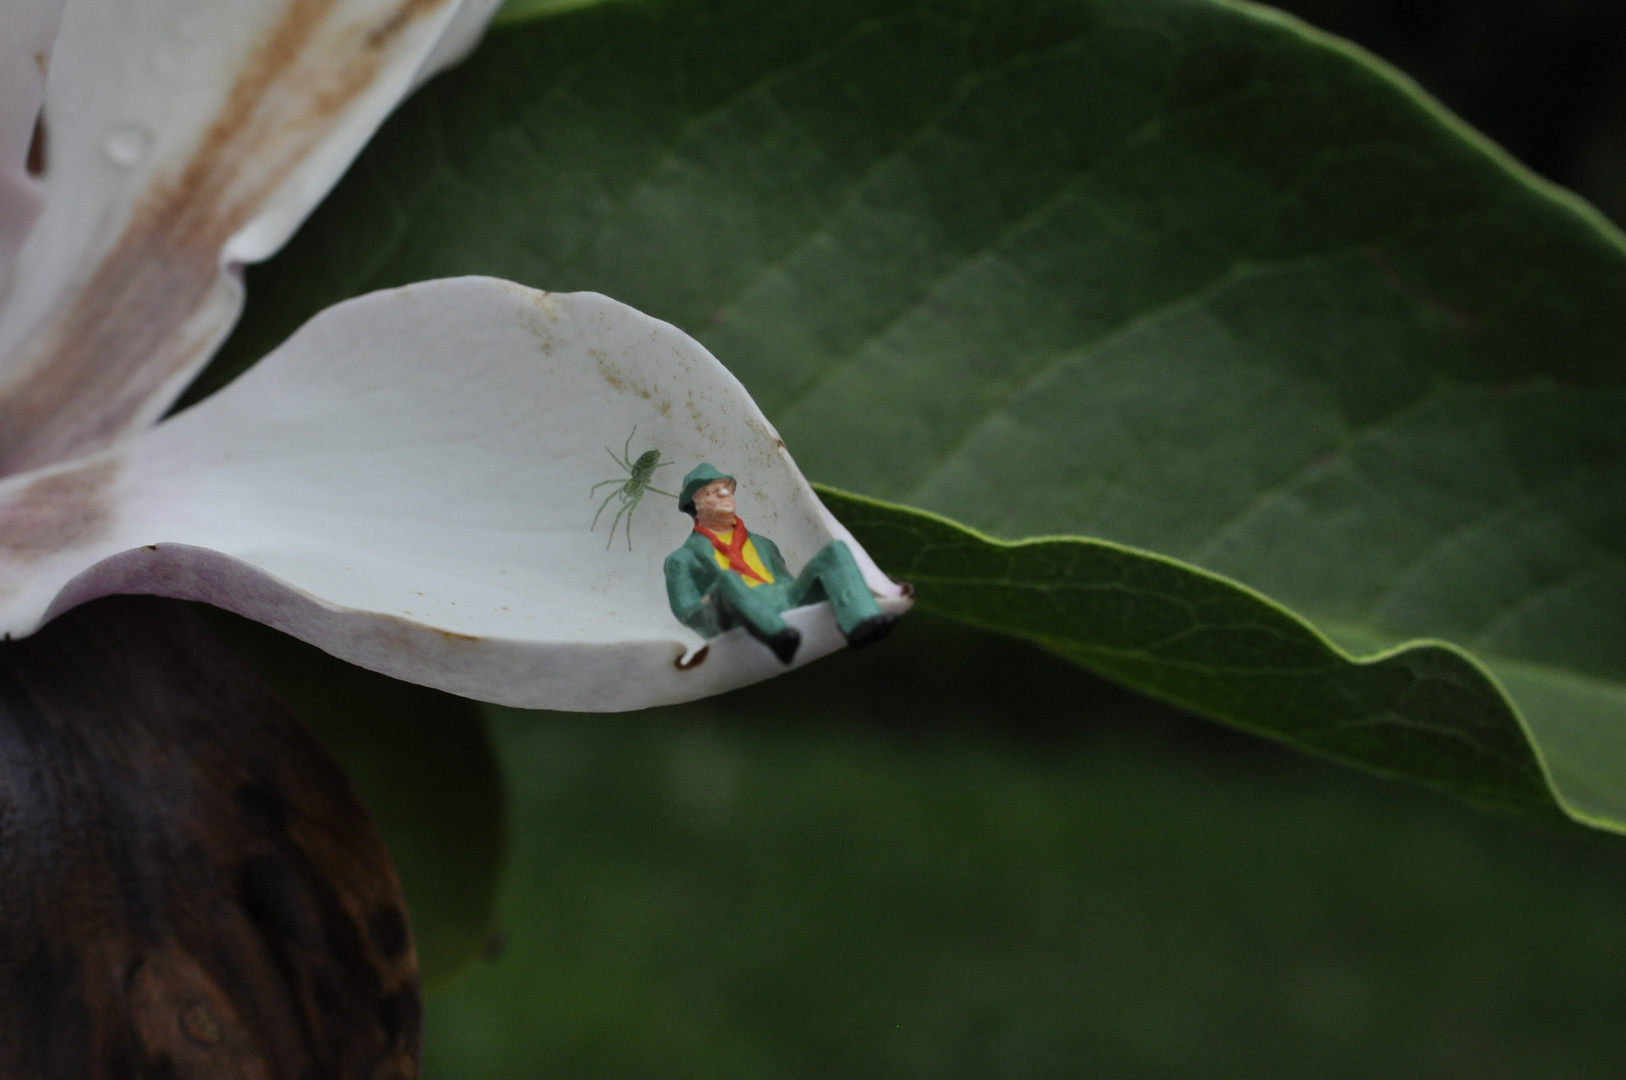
<point x="692" y="570"/>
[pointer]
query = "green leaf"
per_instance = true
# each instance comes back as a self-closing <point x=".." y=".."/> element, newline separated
<point x="1428" y="713"/>
<point x="1181" y="275"/>
<point x="425" y="767"/>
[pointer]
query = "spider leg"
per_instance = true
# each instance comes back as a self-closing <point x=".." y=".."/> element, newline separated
<point x="631" y="506"/>
<point x="616" y="522"/>
<point x="626" y="449"/>
<point x="601" y="507"/>
<point x="627" y="465"/>
<point x="658" y="491"/>
<point x="594" y="490"/>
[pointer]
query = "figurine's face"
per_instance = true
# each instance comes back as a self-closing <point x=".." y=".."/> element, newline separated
<point x="714" y="504"/>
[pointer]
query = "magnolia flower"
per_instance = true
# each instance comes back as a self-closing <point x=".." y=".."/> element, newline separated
<point x="405" y="482"/>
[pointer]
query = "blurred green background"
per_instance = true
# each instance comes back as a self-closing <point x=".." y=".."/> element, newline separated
<point x="956" y="856"/>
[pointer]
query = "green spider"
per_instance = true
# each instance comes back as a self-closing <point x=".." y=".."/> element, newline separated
<point x="640" y="475"/>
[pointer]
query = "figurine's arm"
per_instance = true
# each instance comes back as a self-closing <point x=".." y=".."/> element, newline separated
<point x="771" y="558"/>
<point x="686" y="585"/>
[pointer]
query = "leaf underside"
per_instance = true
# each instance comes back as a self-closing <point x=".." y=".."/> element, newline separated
<point x="1181" y="276"/>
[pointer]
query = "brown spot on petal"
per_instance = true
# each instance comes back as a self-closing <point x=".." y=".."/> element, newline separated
<point x="37" y="147"/>
<point x="384" y="32"/>
<point x="621" y="381"/>
<point x="121" y="337"/>
<point x="694" y="661"/>
<point x="64" y="510"/>
<point x="608" y="373"/>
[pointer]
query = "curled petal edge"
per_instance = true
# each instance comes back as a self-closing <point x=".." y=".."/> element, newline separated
<point x="405" y="484"/>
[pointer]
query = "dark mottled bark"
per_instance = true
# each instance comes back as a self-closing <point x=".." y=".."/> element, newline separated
<point x="189" y="885"/>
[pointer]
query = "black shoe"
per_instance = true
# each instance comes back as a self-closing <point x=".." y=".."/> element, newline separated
<point x="785" y="643"/>
<point x="871" y="630"/>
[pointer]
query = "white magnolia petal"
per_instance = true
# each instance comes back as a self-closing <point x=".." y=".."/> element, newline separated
<point x="186" y="137"/>
<point x="405" y="483"/>
<point x="459" y="38"/>
<point x="27" y="30"/>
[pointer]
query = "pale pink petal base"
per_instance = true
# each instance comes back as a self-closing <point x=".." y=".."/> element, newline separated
<point x="405" y="484"/>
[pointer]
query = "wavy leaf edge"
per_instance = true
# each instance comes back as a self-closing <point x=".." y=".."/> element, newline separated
<point x="1435" y="109"/>
<point x="849" y="505"/>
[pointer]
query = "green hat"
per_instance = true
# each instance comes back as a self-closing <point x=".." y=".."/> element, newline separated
<point x="701" y="475"/>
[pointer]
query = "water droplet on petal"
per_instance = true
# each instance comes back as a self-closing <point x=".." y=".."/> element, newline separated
<point x="126" y="144"/>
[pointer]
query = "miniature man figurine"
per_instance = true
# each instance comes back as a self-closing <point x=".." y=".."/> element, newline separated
<point x="725" y="576"/>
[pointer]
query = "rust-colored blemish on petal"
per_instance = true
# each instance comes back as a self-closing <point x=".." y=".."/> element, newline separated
<point x="398" y="20"/>
<point x="37" y="148"/>
<point x="116" y="341"/>
<point x="56" y="512"/>
<point x="694" y="661"/>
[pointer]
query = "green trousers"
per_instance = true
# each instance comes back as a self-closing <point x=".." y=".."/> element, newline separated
<point x="830" y="575"/>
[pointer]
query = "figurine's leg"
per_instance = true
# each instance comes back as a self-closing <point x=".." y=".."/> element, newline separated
<point x="742" y="605"/>
<point x="833" y="575"/>
<point x="757" y="610"/>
